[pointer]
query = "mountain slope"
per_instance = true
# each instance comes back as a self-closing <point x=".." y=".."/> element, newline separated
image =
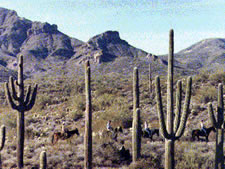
<point x="209" y="53"/>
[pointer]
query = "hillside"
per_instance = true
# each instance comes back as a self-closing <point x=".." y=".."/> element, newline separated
<point x="208" y="53"/>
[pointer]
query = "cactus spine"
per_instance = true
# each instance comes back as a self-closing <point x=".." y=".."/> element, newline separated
<point x="219" y="125"/>
<point x="43" y="160"/>
<point x="136" y="135"/>
<point x="2" y="142"/>
<point x="23" y="104"/>
<point x="175" y="127"/>
<point x="88" y="119"/>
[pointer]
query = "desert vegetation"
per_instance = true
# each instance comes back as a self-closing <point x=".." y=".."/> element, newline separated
<point x="88" y="101"/>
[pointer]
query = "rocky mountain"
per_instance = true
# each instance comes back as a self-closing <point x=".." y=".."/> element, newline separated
<point x="44" y="46"/>
<point x="40" y="43"/>
<point x="46" y="49"/>
<point x="106" y="47"/>
<point x="209" y="53"/>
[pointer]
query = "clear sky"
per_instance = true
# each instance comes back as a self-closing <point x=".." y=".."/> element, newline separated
<point x="143" y="23"/>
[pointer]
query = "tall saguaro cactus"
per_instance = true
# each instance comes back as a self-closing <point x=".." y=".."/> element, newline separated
<point x="88" y="119"/>
<point x="22" y="103"/>
<point x="150" y="77"/>
<point x="175" y="126"/>
<point x="136" y="135"/>
<point x="219" y="125"/>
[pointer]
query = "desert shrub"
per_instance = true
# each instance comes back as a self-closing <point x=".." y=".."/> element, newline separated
<point x="218" y="76"/>
<point x="206" y="94"/>
<point x="77" y="106"/>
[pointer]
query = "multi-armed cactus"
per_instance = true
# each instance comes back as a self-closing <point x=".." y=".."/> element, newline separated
<point x="175" y="127"/>
<point x="219" y="125"/>
<point x="136" y="135"/>
<point x="88" y="120"/>
<point x="43" y="160"/>
<point x="18" y="101"/>
<point x="2" y="142"/>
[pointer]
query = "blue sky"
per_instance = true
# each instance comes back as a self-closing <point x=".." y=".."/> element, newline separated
<point x="143" y="23"/>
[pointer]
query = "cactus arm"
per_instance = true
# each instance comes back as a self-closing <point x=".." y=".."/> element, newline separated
<point x="185" y="113"/>
<point x="14" y="95"/>
<point x="27" y="95"/>
<point x="178" y="106"/>
<point x="220" y="114"/>
<point x="9" y="97"/>
<point x="2" y="137"/>
<point x="32" y="100"/>
<point x="211" y="115"/>
<point x="160" y="109"/>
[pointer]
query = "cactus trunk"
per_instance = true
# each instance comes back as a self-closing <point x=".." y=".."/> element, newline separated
<point x="43" y="160"/>
<point x="150" y="77"/>
<point x="169" y="154"/>
<point x="219" y="164"/>
<point x="88" y="119"/>
<point x="20" y="140"/>
<point x="2" y="142"/>
<point x="136" y="136"/>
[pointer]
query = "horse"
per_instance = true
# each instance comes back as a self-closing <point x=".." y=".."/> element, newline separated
<point x="113" y="133"/>
<point x="63" y="135"/>
<point x="153" y="132"/>
<point x="197" y="133"/>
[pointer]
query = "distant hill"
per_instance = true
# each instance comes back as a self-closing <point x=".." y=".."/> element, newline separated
<point x="208" y="53"/>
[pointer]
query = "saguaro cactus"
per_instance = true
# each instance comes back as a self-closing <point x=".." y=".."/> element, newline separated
<point x="136" y="135"/>
<point x="2" y="142"/>
<point x="174" y="128"/>
<point x="150" y="78"/>
<point x="43" y="160"/>
<point x="219" y="125"/>
<point x="88" y="119"/>
<point x="19" y="102"/>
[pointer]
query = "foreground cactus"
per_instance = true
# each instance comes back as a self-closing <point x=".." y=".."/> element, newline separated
<point x="88" y="119"/>
<point x="175" y="128"/>
<point x="219" y="125"/>
<point x="19" y="102"/>
<point x="43" y="160"/>
<point x="2" y="142"/>
<point x="136" y="136"/>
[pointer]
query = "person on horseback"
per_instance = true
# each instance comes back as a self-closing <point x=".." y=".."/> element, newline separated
<point x="108" y="126"/>
<point x="203" y="129"/>
<point x="147" y="129"/>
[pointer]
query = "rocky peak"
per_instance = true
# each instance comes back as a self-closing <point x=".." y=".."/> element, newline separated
<point x="108" y="37"/>
<point x="7" y="16"/>
<point x="38" y="27"/>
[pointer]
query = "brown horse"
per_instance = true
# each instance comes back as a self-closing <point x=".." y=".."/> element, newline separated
<point x="197" y="133"/>
<point x="63" y="135"/>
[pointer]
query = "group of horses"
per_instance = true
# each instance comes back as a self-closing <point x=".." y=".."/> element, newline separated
<point x="196" y="133"/>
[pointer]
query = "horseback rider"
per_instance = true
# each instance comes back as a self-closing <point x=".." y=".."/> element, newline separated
<point x="108" y="126"/>
<point x="203" y="129"/>
<point x="147" y="129"/>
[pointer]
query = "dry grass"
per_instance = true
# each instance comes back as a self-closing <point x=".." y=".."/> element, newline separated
<point x="62" y="100"/>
